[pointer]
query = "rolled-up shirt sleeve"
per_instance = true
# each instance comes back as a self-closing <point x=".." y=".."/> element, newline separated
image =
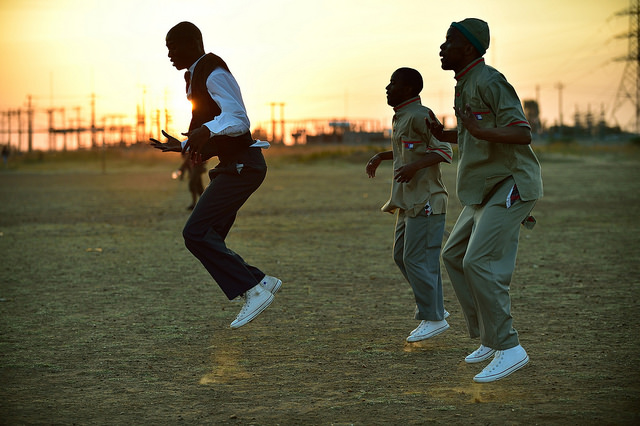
<point x="225" y="91"/>
<point x="503" y="100"/>
<point x="434" y="145"/>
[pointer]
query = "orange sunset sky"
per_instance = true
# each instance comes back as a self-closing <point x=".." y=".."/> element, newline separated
<point x="322" y="58"/>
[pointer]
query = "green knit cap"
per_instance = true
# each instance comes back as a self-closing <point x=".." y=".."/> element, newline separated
<point x="476" y="31"/>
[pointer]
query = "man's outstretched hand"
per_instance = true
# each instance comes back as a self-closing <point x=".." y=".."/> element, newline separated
<point x="197" y="144"/>
<point x="438" y="131"/>
<point x="469" y="120"/>
<point x="436" y="128"/>
<point x="200" y="146"/>
<point x="172" y="144"/>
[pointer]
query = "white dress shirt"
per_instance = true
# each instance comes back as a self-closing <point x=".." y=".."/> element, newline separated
<point x="225" y="91"/>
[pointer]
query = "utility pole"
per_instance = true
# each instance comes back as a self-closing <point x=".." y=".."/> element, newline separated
<point x="141" y="114"/>
<point x="158" y="123"/>
<point x="629" y="89"/>
<point x="94" y="143"/>
<point x="282" y="123"/>
<point x="19" y="115"/>
<point x="52" y="135"/>
<point x="78" y="126"/>
<point x="64" y="128"/>
<point x="9" y="114"/>
<point x="560" y="86"/>
<point x="273" y="122"/>
<point x="30" y="124"/>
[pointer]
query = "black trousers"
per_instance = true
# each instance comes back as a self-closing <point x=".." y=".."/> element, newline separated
<point x="211" y="219"/>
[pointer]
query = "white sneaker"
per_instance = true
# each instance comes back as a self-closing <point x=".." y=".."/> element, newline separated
<point x="256" y="300"/>
<point x="446" y="315"/>
<point x="428" y="329"/>
<point x="479" y="355"/>
<point x="504" y="363"/>
<point x="272" y="284"/>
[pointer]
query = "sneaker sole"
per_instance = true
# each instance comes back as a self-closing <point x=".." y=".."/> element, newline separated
<point x="501" y="375"/>
<point x="254" y="314"/>
<point x="480" y="358"/>
<point x="413" y="338"/>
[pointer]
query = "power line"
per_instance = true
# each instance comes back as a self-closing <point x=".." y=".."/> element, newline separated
<point x="629" y="88"/>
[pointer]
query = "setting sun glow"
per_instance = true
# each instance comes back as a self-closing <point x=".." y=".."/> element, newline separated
<point x="325" y="59"/>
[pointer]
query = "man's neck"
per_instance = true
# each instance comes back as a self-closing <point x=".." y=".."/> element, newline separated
<point x="471" y="65"/>
<point x="467" y="62"/>
<point x="407" y="102"/>
<point x="193" y="65"/>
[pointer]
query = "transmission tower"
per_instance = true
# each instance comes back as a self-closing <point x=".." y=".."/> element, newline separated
<point x="629" y="89"/>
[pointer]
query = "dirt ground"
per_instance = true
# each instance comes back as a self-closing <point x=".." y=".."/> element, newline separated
<point x="105" y="318"/>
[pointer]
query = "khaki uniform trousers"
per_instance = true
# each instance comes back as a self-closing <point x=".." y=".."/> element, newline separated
<point x="416" y="251"/>
<point x="480" y="257"/>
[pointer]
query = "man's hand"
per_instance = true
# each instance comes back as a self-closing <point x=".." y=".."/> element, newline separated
<point x="405" y="173"/>
<point x="196" y="144"/>
<point x="469" y="121"/>
<point x="516" y="135"/>
<point x="436" y="128"/>
<point x="372" y="165"/>
<point x="172" y="144"/>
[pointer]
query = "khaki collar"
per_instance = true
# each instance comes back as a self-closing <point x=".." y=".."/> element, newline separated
<point x="472" y="65"/>
<point x="405" y="103"/>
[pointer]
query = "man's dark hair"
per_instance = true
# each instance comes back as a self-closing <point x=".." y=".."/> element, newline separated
<point x="411" y="78"/>
<point x="187" y="31"/>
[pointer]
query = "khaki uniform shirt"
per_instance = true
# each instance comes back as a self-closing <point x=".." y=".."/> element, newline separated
<point x="483" y="164"/>
<point x="411" y="140"/>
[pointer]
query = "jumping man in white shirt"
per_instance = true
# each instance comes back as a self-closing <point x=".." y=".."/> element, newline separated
<point x="219" y="127"/>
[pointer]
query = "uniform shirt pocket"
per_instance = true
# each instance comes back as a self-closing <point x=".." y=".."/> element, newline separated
<point x="414" y="145"/>
<point x="484" y="115"/>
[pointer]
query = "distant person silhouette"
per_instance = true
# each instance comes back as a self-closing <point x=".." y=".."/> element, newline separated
<point x="194" y="172"/>
<point x="5" y="155"/>
<point x="418" y="198"/>
<point x="498" y="183"/>
<point x="219" y="127"/>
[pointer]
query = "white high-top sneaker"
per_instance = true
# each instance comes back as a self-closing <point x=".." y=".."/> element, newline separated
<point x="257" y="300"/>
<point x="446" y="315"/>
<point x="427" y="330"/>
<point x="272" y="284"/>
<point x="504" y="363"/>
<point x="479" y="355"/>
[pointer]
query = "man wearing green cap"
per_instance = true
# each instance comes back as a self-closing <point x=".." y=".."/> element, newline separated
<point x="498" y="184"/>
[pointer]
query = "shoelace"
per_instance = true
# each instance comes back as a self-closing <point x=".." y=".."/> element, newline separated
<point x="496" y="361"/>
<point x="244" y="307"/>
<point x="482" y="350"/>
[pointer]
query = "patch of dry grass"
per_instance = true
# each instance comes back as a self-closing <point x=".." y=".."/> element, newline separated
<point x="105" y="318"/>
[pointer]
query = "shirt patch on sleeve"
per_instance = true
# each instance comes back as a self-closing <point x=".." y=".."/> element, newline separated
<point x="410" y="144"/>
<point x="479" y="114"/>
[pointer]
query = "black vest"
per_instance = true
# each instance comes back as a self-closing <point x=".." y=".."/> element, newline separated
<point x="204" y="108"/>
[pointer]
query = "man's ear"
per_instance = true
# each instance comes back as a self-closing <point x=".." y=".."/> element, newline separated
<point x="471" y="51"/>
<point x="408" y="92"/>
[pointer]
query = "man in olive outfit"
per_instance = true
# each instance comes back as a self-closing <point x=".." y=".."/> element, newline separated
<point x="219" y="127"/>
<point x="498" y="183"/>
<point x="418" y="199"/>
